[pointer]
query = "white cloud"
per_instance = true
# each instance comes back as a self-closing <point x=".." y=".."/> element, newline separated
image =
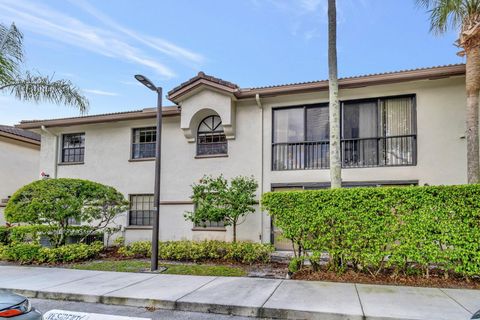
<point x="116" y="43"/>
<point x="312" y="5"/>
<point x="307" y="18"/>
<point x="129" y="83"/>
<point x="156" y="43"/>
<point x="303" y="17"/>
<point x="101" y="92"/>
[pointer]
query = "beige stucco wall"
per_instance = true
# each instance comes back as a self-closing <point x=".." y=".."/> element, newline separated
<point x="441" y="157"/>
<point x="441" y="148"/>
<point x="19" y="165"/>
<point x="107" y="155"/>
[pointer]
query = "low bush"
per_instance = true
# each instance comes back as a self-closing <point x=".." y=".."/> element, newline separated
<point x="384" y="229"/>
<point x="4" y="235"/>
<point x="137" y="249"/>
<point x="248" y="252"/>
<point x="26" y="253"/>
<point x="34" y="233"/>
<point x="244" y="252"/>
<point x="59" y="202"/>
<point x="21" y="252"/>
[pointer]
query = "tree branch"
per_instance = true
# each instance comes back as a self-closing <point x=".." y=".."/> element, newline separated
<point x="42" y="88"/>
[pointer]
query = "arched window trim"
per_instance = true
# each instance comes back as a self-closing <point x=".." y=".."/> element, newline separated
<point x="213" y="141"/>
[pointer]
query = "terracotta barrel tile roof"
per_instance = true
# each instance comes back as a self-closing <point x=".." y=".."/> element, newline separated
<point x="201" y="75"/>
<point x="318" y="85"/>
<point x="19" y="134"/>
<point x="450" y="67"/>
<point x="247" y="93"/>
<point x="99" y="118"/>
<point x="358" y="81"/>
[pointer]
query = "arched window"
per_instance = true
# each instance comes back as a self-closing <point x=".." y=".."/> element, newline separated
<point x="211" y="139"/>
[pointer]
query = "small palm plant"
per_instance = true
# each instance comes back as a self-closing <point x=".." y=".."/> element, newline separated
<point x="464" y="17"/>
<point x="27" y="86"/>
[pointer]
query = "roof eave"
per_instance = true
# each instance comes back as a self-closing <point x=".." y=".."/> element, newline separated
<point x="357" y="82"/>
<point x="95" y="119"/>
<point x="184" y="92"/>
<point x="19" y="138"/>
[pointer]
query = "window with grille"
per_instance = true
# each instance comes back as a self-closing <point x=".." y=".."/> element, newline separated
<point x="73" y="147"/>
<point x="210" y="224"/>
<point x="143" y="143"/>
<point x="211" y="138"/>
<point x="141" y="210"/>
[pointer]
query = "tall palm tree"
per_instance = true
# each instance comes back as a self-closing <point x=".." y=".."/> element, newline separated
<point x="27" y="86"/>
<point x="464" y="16"/>
<point x="334" y="106"/>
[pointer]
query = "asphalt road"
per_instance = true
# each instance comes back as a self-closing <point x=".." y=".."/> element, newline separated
<point x="46" y="305"/>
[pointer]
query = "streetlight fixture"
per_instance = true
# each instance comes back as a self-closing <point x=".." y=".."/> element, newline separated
<point x="158" y="144"/>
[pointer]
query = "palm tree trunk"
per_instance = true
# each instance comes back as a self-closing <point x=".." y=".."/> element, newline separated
<point x="473" y="87"/>
<point x="334" y="106"/>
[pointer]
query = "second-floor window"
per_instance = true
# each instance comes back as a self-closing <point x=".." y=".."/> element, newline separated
<point x="73" y="147"/>
<point x="374" y="132"/>
<point x="378" y="132"/>
<point x="211" y="138"/>
<point x="143" y="143"/>
<point x="300" y="138"/>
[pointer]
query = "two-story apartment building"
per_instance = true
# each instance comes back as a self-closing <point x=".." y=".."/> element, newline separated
<point x="398" y="128"/>
<point x="19" y="161"/>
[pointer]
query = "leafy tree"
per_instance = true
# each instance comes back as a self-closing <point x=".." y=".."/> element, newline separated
<point x="59" y="202"/>
<point x="27" y="86"/>
<point x="463" y="16"/>
<point x="216" y="199"/>
<point x="334" y="104"/>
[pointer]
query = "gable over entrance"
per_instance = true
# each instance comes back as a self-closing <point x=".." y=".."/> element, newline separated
<point x="204" y="96"/>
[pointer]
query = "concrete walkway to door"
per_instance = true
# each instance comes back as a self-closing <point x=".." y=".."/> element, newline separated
<point x="253" y="297"/>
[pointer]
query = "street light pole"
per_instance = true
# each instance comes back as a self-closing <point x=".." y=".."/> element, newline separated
<point x="158" y="145"/>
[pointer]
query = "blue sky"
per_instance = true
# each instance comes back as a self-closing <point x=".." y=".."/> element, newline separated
<point x="100" y="45"/>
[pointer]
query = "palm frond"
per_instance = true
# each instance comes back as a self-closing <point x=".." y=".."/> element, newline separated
<point x="424" y="3"/>
<point x="11" y="46"/>
<point x="38" y="88"/>
<point x="8" y="70"/>
<point x="11" y="52"/>
<point x="11" y="42"/>
<point x="454" y="14"/>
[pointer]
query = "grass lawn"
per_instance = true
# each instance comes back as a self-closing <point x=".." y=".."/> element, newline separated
<point x="142" y="266"/>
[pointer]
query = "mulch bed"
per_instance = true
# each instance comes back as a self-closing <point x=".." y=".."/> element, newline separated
<point x="435" y="280"/>
<point x="279" y="270"/>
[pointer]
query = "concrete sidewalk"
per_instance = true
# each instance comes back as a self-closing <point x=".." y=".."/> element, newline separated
<point x="243" y="296"/>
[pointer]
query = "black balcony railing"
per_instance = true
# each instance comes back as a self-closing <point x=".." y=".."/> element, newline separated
<point x="355" y="153"/>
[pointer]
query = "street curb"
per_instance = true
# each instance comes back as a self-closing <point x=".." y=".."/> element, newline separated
<point x="243" y="311"/>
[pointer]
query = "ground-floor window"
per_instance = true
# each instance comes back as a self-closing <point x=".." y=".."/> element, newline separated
<point x="210" y="224"/>
<point x="141" y="210"/>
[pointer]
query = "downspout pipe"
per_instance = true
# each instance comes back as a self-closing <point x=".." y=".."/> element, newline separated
<point x="55" y="157"/>
<point x="260" y="106"/>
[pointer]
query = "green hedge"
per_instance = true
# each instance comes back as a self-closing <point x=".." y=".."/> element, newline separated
<point x="244" y="252"/>
<point x="394" y="228"/>
<point x="34" y="253"/>
<point x="4" y="235"/>
<point x="33" y="233"/>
